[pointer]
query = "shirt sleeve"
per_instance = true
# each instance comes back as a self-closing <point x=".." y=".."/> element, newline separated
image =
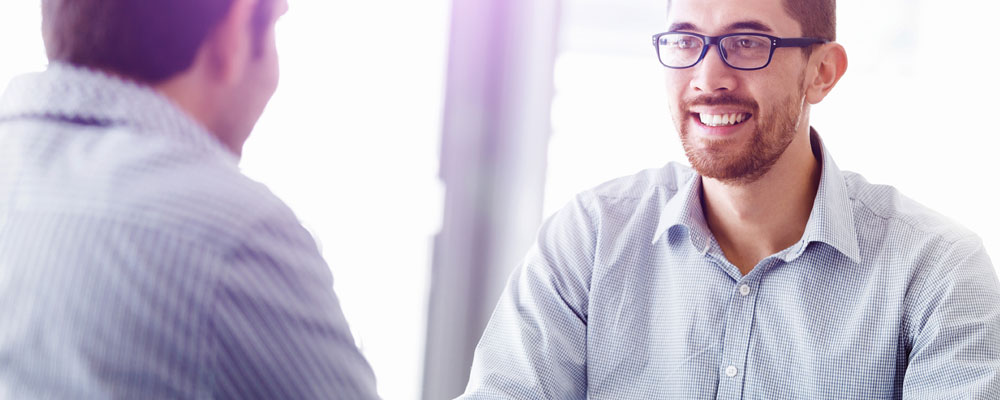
<point x="279" y="329"/>
<point x="534" y="346"/>
<point x="955" y="350"/>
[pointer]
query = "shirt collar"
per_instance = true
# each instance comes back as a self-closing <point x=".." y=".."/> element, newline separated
<point x="684" y="209"/>
<point x="70" y="93"/>
<point x="830" y="221"/>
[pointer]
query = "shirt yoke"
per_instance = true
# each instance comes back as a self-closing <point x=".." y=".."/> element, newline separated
<point x="137" y="178"/>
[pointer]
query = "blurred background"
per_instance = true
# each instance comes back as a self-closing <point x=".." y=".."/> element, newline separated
<point x="422" y="143"/>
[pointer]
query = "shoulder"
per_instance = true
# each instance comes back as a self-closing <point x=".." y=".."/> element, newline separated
<point x="925" y="250"/>
<point x="884" y="210"/>
<point x="145" y="180"/>
<point x="204" y="194"/>
<point x="641" y="196"/>
<point x="643" y="192"/>
<point x="624" y="194"/>
<point x="629" y="206"/>
<point x="667" y="180"/>
<point x="946" y="274"/>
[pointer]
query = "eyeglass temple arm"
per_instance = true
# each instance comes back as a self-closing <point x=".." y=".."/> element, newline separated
<point x="797" y="42"/>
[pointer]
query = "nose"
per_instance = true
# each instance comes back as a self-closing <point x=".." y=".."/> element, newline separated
<point x="712" y="74"/>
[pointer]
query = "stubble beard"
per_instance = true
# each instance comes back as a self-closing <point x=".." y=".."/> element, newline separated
<point x="722" y="160"/>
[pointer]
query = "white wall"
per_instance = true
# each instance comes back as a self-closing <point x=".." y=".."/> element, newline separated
<point x="21" y="48"/>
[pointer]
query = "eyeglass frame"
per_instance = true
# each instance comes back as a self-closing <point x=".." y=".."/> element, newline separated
<point x="708" y="41"/>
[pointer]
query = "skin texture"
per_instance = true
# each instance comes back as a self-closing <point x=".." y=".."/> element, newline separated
<point x="229" y="83"/>
<point x="760" y="177"/>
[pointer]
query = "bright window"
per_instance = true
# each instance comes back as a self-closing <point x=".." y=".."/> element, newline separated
<point x="351" y="142"/>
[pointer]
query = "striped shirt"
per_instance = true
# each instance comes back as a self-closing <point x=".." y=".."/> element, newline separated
<point x="136" y="261"/>
<point x="627" y="295"/>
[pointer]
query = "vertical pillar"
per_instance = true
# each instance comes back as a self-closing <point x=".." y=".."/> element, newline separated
<point x="494" y="144"/>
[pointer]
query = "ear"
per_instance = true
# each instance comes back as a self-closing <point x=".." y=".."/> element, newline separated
<point x="228" y="47"/>
<point x="828" y="64"/>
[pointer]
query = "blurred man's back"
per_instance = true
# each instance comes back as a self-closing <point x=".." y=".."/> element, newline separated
<point x="136" y="261"/>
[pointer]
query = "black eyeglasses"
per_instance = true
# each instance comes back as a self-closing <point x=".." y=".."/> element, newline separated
<point x="742" y="51"/>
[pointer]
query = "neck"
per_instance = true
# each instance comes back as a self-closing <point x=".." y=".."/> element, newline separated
<point x="194" y="95"/>
<point x="755" y="220"/>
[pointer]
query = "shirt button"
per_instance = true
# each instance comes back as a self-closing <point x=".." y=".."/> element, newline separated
<point x="744" y="290"/>
<point x="731" y="371"/>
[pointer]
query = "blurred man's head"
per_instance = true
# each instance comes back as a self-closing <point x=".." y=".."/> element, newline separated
<point x="215" y="58"/>
<point x="736" y="121"/>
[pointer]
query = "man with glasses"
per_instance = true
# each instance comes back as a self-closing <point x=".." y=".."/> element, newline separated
<point x="762" y="272"/>
<point x="136" y="261"/>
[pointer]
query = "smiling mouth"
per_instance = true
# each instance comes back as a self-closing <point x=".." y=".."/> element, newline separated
<point x="715" y="120"/>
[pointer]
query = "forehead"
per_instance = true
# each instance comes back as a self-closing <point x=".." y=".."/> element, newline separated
<point x="716" y="17"/>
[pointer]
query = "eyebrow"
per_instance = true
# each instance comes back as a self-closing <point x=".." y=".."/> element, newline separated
<point x="752" y="25"/>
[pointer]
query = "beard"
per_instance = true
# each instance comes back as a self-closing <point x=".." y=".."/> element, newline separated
<point x="725" y="159"/>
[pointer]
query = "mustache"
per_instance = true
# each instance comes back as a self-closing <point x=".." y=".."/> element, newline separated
<point x="721" y="100"/>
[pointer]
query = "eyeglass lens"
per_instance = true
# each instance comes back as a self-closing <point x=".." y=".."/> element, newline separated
<point x="741" y="51"/>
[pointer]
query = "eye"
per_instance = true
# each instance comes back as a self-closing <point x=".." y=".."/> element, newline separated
<point x="680" y="42"/>
<point x="746" y="43"/>
<point x="686" y="43"/>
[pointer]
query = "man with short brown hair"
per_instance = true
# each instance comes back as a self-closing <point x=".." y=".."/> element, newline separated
<point x="136" y="261"/>
<point x="762" y="271"/>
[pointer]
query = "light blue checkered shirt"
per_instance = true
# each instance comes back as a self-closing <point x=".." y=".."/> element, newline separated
<point x="137" y="262"/>
<point x="627" y="295"/>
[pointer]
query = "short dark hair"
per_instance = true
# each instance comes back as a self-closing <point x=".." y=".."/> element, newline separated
<point x="818" y="18"/>
<point x="146" y="40"/>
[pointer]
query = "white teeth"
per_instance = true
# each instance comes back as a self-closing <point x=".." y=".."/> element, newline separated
<point x="722" y="119"/>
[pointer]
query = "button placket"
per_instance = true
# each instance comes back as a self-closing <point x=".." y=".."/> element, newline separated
<point x="737" y="339"/>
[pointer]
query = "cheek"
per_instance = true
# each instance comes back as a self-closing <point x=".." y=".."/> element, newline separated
<point x="675" y="83"/>
<point x="270" y="65"/>
<point x="273" y="66"/>
<point x="785" y="80"/>
<point x="777" y="87"/>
